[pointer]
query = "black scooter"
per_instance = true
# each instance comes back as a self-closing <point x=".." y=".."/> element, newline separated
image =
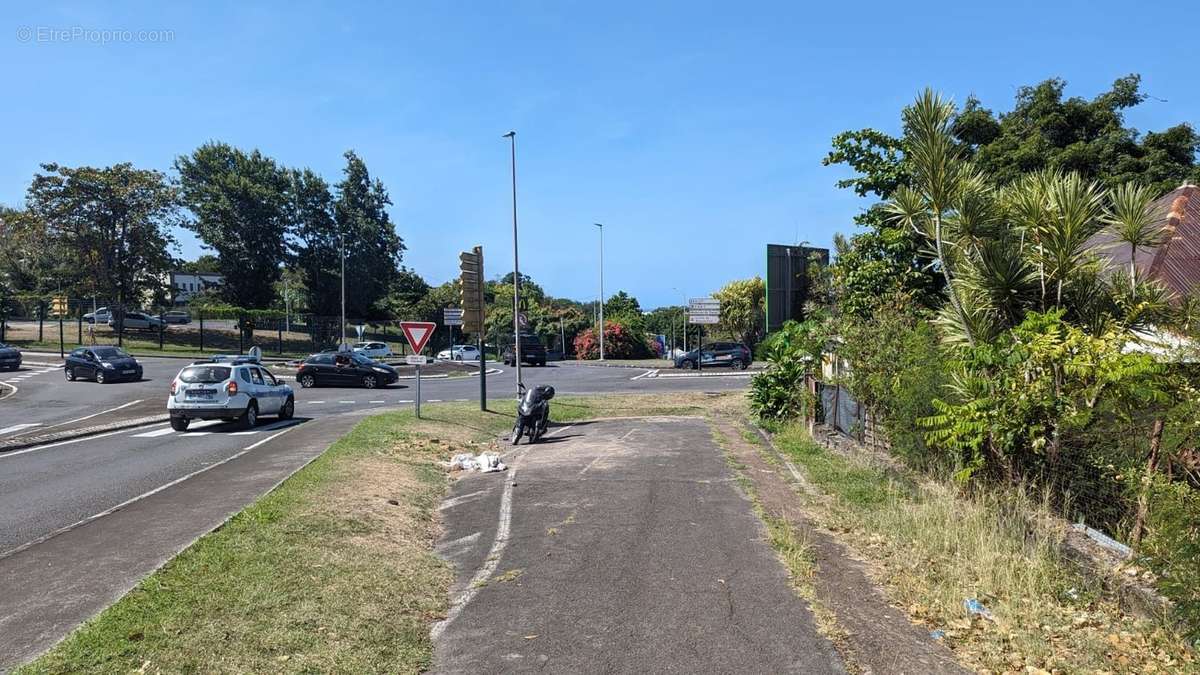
<point x="533" y="414"/>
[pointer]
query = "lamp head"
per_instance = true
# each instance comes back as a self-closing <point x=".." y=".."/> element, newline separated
<point x="510" y="134"/>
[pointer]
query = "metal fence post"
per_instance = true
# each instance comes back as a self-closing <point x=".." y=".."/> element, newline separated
<point x="241" y="336"/>
<point x="200" y="315"/>
<point x="3" y="326"/>
<point x="62" y="347"/>
<point x="162" y="326"/>
<point x="79" y="319"/>
<point x="41" y="310"/>
<point x="280" y="339"/>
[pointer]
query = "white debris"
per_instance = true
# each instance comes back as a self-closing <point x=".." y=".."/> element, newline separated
<point x="486" y="462"/>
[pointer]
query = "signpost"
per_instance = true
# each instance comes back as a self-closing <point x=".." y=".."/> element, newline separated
<point x="703" y="311"/>
<point x="470" y="267"/>
<point x="417" y="333"/>
<point x="452" y="317"/>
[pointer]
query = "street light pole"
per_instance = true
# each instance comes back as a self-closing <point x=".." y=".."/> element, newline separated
<point x="601" y="290"/>
<point x="342" y="242"/>
<point x="512" y="137"/>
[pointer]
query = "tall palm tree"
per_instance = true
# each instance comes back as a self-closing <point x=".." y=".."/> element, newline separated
<point x="1135" y="221"/>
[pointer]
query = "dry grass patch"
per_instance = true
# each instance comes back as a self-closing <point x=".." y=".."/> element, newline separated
<point x="934" y="547"/>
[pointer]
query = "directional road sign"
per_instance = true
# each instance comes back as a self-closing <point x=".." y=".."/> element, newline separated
<point x="418" y="333"/>
<point x="452" y="317"/>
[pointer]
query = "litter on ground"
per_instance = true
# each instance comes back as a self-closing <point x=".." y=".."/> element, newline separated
<point x="486" y="462"/>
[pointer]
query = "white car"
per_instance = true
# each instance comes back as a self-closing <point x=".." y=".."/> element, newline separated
<point x="228" y="388"/>
<point x="101" y="315"/>
<point x="374" y="350"/>
<point x="459" y="353"/>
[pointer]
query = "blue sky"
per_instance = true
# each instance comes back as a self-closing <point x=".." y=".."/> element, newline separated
<point x="693" y="130"/>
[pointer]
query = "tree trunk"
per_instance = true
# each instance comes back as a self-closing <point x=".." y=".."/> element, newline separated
<point x="1143" y="509"/>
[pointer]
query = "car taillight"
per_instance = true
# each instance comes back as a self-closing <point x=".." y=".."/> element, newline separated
<point x="174" y="387"/>
<point x="231" y="388"/>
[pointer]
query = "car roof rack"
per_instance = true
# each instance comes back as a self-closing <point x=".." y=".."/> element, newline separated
<point x="231" y="359"/>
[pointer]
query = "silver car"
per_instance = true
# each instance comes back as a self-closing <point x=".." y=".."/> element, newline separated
<point x="228" y="388"/>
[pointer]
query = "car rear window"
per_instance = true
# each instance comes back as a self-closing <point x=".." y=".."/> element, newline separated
<point x="204" y="374"/>
<point x="324" y="359"/>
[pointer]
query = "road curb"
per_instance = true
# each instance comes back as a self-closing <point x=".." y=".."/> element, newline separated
<point x="82" y="432"/>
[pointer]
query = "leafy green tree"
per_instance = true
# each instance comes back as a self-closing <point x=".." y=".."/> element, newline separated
<point x="318" y="256"/>
<point x="109" y="229"/>
<point x="742" y="309"/>
<point x="205" y="263"/>
<point x="240" y="207"/>
<point x="1043" y="131"/>
<point x="27" y="264"/>
<point x="373" y="249"/>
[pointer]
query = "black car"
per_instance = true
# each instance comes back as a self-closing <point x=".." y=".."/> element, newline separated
<point x="103" y="364"/>
<point x="10" y="357"/>
<point x="532" y="351"/>
<point x="718" y="354"/>
<point x="344" y="369"/>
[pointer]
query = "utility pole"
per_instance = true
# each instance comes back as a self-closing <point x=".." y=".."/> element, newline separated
<point x="601" y="290"/>
<point x="342" y="240"/>
<point x="287" y="312"/>
<point x="512" y="137"/>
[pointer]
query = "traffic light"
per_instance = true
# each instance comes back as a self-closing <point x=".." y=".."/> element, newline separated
<point x="470" y="267"/>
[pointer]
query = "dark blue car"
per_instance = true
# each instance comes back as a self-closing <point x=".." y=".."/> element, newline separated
<point x="102" y="364"/>
<point x="10" y="357"/>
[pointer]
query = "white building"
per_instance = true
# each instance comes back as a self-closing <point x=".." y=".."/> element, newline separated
<point x="184" y="285"/>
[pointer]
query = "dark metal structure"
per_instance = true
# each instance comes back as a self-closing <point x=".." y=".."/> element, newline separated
<point x="788" y="281"/>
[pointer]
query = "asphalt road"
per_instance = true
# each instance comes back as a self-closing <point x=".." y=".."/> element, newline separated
<point x="80" y="489"/>
<point x="618" y="546"/>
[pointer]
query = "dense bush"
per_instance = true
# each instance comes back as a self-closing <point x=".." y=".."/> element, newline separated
<point x="619" y="343"/>
<point x="1172" y="547"/>
<point x="896" y="366"/>
<point x="779" y="393"/>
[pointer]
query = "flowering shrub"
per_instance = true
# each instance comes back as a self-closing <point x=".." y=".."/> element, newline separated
<point x="619" y="343"/>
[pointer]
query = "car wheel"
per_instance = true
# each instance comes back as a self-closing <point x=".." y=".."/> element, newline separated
<point x="737" y="364"/>
<point x="288" y="409"/>
<point x="100" y="377"/>
<point x="250" y="417"/>
<point x="516" y="434"/>
<point x="308" y="381"/>
<point x="70" y="373"/>
<point x="368" y="382"/>
<point x="180" y="423"/>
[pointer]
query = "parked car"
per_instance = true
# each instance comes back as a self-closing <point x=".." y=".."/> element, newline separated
<point x="718" y="354"/>
<point x="101" y="315"/>
<point x="138" y="321"/>
<point x="375" y="350"/>
<point x="236" y="389"/>
<point x="102" y="364"/>
<point x="10" y="357"/>
<point x="177" y="316"/>
<point x="459" y="353"/>
<point x="344" y="369"/>
<point x="532" y="351"/>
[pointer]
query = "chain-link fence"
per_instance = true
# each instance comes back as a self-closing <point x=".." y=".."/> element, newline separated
<point x="61" y="324"/>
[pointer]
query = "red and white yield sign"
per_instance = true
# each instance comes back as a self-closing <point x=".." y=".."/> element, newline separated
<point x="418" y="333"/>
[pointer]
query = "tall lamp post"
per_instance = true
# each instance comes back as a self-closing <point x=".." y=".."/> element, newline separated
<point x="342" y="243"/>
<point x="599" y="225"/>
<point x="512" y="137"/>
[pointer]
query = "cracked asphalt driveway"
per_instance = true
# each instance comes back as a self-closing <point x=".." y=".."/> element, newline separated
<point x="618" y="546"/>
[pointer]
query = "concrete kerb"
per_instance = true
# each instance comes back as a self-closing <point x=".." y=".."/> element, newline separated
<point x="25" y="443"/>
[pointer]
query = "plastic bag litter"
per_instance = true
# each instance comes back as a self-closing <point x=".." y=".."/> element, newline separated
<point x="973" y="606"/>
<point x="486" y="462"/>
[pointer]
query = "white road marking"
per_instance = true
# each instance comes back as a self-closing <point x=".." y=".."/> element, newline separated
<point x="490" y="563"/>
<point x="127" y="502"/>
<point x="102" y="412"/>
<point x="313" y="402"/>
<point x="347" y="401"/>
<point x="15" y="453"/>
<point x="435" y="400"/>
<point x="590" y="465"/>
<point x="195" y="433"/>
<point x="404" y="400"/>
<point x="648" y="373"/>
<point x="18" y="427"/>
<point x="155" y="434"/>
<point x="376" y="401"/>
<point x="455" y="501"/>
<point x="271" y="437"/>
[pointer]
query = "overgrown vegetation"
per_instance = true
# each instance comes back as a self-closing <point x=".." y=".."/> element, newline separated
<point x="981" y="323"/>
